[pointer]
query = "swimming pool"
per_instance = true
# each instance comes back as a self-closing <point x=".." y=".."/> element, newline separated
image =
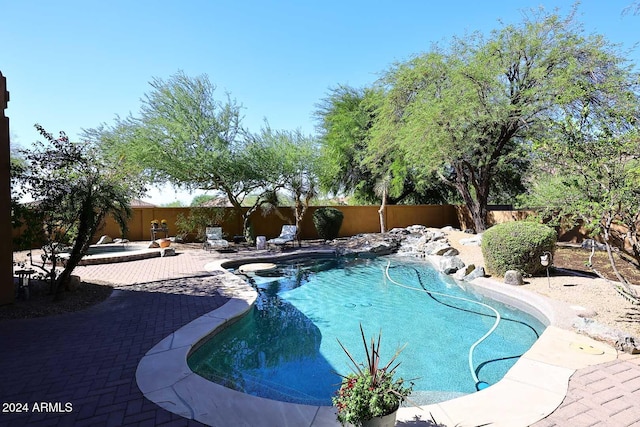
<point x="285" y="348"/>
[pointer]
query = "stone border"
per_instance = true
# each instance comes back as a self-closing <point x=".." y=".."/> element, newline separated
<point x="122" y="256"/>
<point x="533" y="388"/>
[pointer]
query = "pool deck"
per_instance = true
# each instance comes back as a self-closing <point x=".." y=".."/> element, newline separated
<point x="106" y="359"/>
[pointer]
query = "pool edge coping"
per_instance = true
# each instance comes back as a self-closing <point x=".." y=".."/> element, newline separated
<point x="164" y="377"/>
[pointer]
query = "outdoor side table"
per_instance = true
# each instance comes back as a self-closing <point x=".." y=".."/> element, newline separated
<point x="156" y="231"/>
<point x="23" y="282"/>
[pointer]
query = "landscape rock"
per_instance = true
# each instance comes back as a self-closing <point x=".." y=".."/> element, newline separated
<point x="437" y="235"/>
<point x="416" y="229"/>
<point x="590" y="244"/>
<point x="628" y="345"/>
<point x="436" y="248"/>
<point x="449" y="228"/>
<point x="583" y="311"/>
<point x="422" y="241"/>
<point x="154" y="245"/>
<point x="167" y="252"/>
<point x="597" y="330"/>
<point x="120" y="241"/>
<point x="451" y="252"/>
<point x="477" y="272"/>
<point x="463" y="272"/>
<point x="375" y="243"/>
<point x="449" y="265"/>
<point x="513" y="277"/>
<point x="472" y="241"/>
<point x="398" y="230"/>
<point x="104" y="240"/>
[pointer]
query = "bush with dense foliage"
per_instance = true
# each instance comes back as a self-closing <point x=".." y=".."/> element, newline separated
<point x="328" y="222"/>
<point x="517" y="246"/>
<point x="197" y="221"/>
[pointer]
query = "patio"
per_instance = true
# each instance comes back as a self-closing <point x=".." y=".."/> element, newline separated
<point x="89" y="358"/>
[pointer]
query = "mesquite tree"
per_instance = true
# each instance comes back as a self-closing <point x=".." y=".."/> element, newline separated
<point x="188" y="137"/>
<point x="470" y="110"/>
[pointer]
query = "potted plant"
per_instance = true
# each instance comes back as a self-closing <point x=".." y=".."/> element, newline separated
<point x="155" y="224"/>
<point x="163" y="224"/>
<point x="370" y="395"/>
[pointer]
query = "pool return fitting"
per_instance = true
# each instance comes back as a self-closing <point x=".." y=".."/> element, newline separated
<point x="480" y="385"/>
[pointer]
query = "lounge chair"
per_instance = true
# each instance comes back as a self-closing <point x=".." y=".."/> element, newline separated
<point x="288" y="234"/>
<point x="214" y="239"/>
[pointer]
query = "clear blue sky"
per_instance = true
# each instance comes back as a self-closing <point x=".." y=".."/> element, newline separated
<point x="75" y="64"/>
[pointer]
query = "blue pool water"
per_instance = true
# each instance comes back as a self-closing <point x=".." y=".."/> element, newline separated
<point x="286" y="347"/>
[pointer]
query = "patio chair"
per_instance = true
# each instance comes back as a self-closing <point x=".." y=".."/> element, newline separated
<point x="214" y="239"/>
<point x="288" y="234"/>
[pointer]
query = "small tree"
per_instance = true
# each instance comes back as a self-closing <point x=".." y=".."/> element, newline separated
<point x="74" y="187"/>
<point x="198" y="219"/>
<point x="294" y="170"/>
<point x="328" y="222"/>
<point x="186" y="136"/>
<point x="590" y="162"/>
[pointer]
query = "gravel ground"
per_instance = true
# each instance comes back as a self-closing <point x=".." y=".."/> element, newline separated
<point x="594" y="294"/>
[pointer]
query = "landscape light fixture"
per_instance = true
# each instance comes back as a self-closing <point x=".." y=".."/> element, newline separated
<point x="546" y="259"/>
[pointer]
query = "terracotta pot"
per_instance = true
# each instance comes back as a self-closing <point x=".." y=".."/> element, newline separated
<point x="165" y="243"/>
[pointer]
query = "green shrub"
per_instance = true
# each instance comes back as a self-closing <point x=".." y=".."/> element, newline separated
<point x="517" y="246"/>
<point x="328" y="222"/>
<point x="198" y="220"/>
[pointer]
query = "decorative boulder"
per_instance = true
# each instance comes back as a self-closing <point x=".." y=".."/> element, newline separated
<point x="513" y="277"/>
<point x="121" y="241"/>
<point x="451" y="252"/>
<point x="628" y="345"/>
<point x="437" y="235"/>
<point x="451" y="264"/>
<point x="472" y="241"/>
<point x="477" y="272"/>
<point x="436" y="248"/>
<point x="398" y="230"/>
<point x="449" y="228"/>
<point x="421" y="243"/>
<point x="154" y="245"/>
<point x="463" y="272"/>
<point x="167" y="252"/>
<point x="104" y="240"/>
<point x="416" y="228"/>
<point x="590" y="244"/>
<point x="385" y="248"/>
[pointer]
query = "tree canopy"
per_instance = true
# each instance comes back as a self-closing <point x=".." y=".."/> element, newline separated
<point x="184" y="135"/>
<point x="74" y="186"/>
<point x="468" y="112"/>
<point x="345" y="118"/>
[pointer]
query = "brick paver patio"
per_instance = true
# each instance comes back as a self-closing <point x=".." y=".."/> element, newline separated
<point x="88" y="359"/>
<point x="601" y="395"/>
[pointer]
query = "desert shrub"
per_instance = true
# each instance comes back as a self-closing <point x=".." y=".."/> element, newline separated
<point x="327" y="222"/>
<point x="198" y="219"/>
<point x="517" y="246"/>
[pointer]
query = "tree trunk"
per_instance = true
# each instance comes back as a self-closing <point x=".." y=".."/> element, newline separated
<point x="382" y="209"/>
<point x="298" y="212"/>
<point x="477" y="208"/>
<point x="87" y="226"/>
